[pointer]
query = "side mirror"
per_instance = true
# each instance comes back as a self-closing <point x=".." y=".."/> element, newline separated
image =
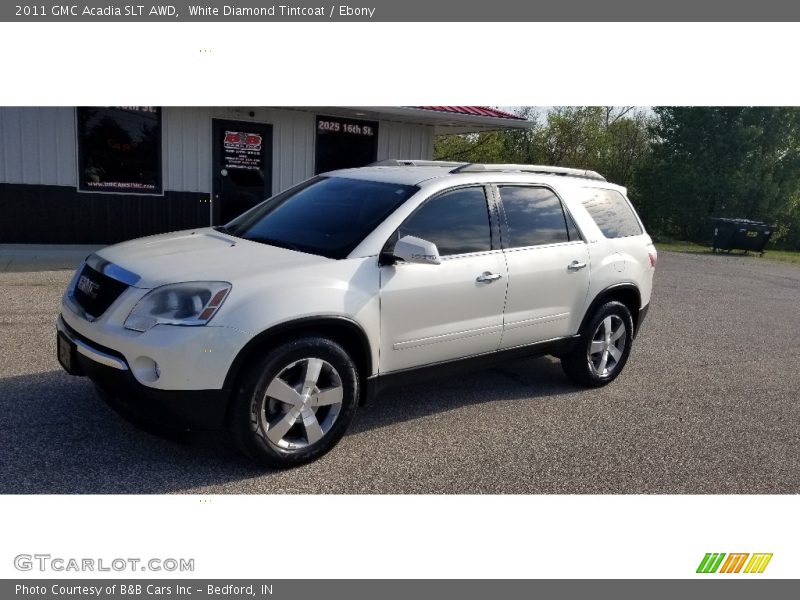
<point x="416" y="250"/>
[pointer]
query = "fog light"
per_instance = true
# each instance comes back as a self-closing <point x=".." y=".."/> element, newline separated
<point x="146" y="369"/>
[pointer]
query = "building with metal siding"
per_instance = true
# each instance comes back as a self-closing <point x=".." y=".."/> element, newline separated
<point x="182" y="167"/>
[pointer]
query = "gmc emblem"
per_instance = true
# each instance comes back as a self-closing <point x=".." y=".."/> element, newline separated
<point x="88" y="287"/>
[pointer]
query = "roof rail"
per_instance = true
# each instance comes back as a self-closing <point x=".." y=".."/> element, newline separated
<point x="401" y="162"/>
<point x="564" y="171"/>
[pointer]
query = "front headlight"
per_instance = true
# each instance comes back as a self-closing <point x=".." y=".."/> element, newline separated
<point x="191" y="303"/>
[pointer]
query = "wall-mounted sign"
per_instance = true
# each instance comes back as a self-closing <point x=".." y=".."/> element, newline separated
<point x="344" y="143"/>
<point x="119" y="149"/>
<point x="326" y="125"/>
<point x="242" y="150"/>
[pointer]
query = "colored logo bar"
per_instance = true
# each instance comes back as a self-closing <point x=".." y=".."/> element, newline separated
<point x="714" y="562"/>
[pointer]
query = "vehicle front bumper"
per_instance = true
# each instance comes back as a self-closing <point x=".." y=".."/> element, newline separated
<point x="109" y="370"/>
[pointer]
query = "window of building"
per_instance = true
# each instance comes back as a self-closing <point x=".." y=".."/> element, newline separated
<point x="119" y="149"/>
<point x="534" y="216"/>
<point x="345" y="143"/>
<point x="457" y="222"/>
<point x="612" y="213"/>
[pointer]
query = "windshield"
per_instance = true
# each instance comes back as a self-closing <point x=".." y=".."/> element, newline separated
<point x="328" y="216"/>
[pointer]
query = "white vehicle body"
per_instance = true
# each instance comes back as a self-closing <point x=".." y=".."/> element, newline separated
<point x="407" y="314"/>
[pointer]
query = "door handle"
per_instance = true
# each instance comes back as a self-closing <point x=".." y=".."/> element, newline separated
<point x="487" y="277"/>
<point x="576" y="266"/>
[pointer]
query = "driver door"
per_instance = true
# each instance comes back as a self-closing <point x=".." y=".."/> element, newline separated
<point x="433" y="313"/>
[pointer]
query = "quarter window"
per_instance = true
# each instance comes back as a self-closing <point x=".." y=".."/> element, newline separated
<point x="612" y="213"/>
<point x="534" y="216"/>
<point x="119" y="149"/>
<point x="457" y="222"/>
<point x="574" y="234"/>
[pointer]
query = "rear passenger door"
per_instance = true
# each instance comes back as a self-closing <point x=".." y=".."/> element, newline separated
<point x="548" y="266"/>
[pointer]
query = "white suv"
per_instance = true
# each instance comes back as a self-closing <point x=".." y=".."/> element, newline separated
<point x="278" y="324"/>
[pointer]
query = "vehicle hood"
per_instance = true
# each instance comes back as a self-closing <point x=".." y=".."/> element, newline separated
<point x="200" y="255"/>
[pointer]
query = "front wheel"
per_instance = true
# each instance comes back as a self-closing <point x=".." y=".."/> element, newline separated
<point x="603" y="348"/>
<point x="295" y="403"/>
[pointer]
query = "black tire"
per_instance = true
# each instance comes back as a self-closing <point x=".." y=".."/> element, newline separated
<point x="577" y="364"/>
<point x="252" y="408"/>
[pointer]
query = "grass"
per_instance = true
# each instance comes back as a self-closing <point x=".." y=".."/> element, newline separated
<point x="692" y="248"/>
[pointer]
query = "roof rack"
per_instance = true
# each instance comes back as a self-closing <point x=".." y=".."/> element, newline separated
<point x="564" y="171"/>
<point x="465" y="167"/>
<point x="401" y="162"/>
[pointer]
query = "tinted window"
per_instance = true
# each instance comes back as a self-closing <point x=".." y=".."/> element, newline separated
<point x="612" y="213"/>
<point x="534" y="216"/>
<point x="457" y="222"/>
<point x="574" y="234"/>
<point x="119" y="149"/>
<point x="329" y="216"/>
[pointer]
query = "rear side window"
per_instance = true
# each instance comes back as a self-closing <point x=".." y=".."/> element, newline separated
<point x="457" y="222"/>
<point x="534" y="216"/>
<point x="612" y="213"/>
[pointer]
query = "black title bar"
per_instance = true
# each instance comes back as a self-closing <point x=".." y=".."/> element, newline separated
<point x="406" y="11"/>
<point x="280" y="589"/>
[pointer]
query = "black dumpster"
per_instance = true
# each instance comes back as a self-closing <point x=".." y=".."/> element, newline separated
<point x="740" y="234"/>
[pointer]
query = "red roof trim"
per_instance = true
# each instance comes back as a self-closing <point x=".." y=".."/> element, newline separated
<point x="478" y="111"/>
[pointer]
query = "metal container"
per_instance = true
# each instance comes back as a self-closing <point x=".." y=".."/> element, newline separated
<point x="740" y="234"/>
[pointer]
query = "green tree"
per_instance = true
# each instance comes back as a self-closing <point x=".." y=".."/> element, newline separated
<point x="474" y="147"/>
<point x="722" y="161"/>
<point x="613" y="140"/>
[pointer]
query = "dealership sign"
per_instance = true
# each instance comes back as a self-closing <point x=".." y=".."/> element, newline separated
<point x="242" y="150"/>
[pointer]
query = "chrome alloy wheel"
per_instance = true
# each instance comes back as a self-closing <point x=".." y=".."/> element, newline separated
<point x="301" y="404"/>
<point x="607" y="346"/>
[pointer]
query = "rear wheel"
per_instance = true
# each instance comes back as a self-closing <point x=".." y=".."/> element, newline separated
<point x="603" y="348"/>
<point x="295" y="403"/>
